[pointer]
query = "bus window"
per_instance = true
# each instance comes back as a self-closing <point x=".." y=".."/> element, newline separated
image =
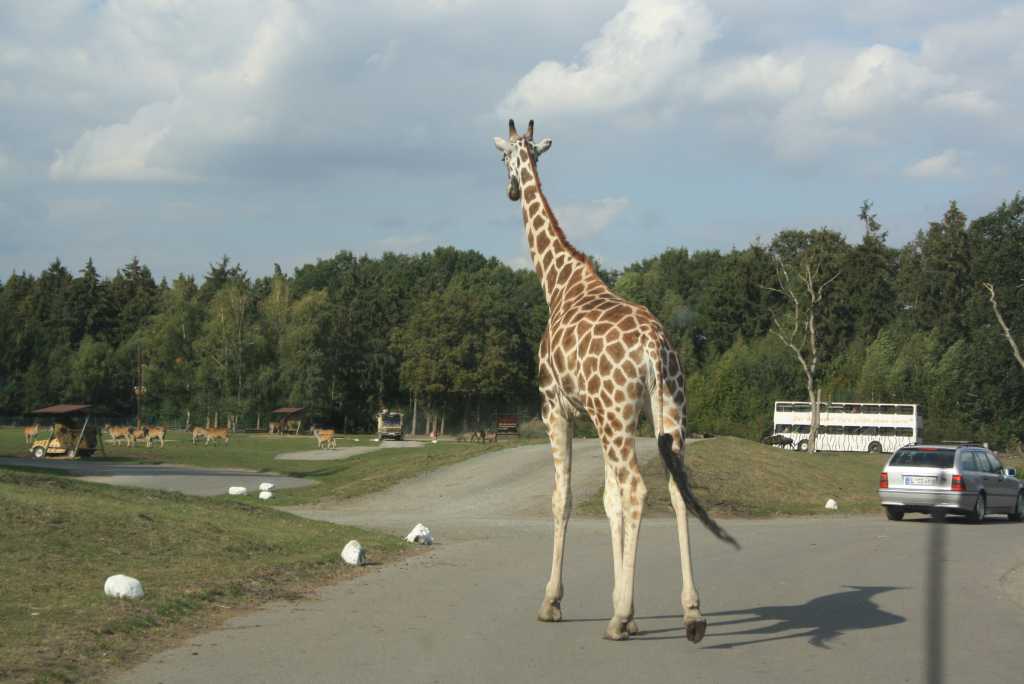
<point x="887" y="431"/>
<point x="904" y="432"/>
<point x="887" y="409"/>
<point x="801" y="408"/>
<point x="905" y="410"/>
<point x="868" y="430"/>
<point x="802" y="429"/>
<point x="851" y="430"/>
<point x="868" y="408"/>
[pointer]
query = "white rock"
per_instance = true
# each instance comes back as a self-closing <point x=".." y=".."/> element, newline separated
<point x="357" y="439"/>
<point x="353" y="553"/>
<point x="266" y="495"/>
<point x="420" y="535"/>
<point x="433" y="441"/>
<point x="123" y="586"/>
<point x="237" y="491"/>
<point x="266" y="486"/>
<point x="832" y="505"/>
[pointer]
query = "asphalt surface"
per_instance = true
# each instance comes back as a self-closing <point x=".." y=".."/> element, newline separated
<point x="831" y="599"/>
<point x="168" y="477"/>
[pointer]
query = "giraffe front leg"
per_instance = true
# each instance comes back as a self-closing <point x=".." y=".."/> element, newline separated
<point x="560" y="435"/>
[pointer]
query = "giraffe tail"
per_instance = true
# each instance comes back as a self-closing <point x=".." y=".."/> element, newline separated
<point x="674" y="465"/>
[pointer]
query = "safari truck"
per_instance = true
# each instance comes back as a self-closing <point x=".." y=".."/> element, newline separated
<point x="389" y="425"/>
<point x="72" y="435"/>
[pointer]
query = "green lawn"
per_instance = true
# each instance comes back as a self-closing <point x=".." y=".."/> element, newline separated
<point x="735" y="477"/>
<point x="198" y="559"/>
<point x="362" y="474"/>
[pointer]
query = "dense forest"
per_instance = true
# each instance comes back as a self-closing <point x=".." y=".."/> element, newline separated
<point x="456" y="332"/>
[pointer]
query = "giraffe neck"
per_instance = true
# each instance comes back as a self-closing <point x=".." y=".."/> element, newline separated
<point x="556" y="261"/>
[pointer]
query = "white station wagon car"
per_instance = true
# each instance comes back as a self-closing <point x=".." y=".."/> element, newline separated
<point x="964" y="479"/>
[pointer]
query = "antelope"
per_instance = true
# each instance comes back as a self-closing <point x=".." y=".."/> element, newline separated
<point x="138" y="434"/>
<point x="275" y="427"/>
<point x="120" y="432"/>
<point x="198" y="433"/>
<point x="213" y="434"/>
<point x="30" y="433"/>
<point x="325" y="437"/>
<point x="155" y="433"/>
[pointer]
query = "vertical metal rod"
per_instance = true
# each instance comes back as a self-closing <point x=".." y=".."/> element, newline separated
<point x="934" y="595"/>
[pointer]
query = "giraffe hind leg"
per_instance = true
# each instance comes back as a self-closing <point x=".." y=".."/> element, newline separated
<point x="560" y="436"/>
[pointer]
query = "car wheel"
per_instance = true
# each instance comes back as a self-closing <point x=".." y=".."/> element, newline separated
<point x="802" y="445"/>
<point x="875" y="447"/>
<point x="39" y="452"/>
<point x="1018" y="511"/>
<point x="978" y="514"/>
<point x="893" y="513"/>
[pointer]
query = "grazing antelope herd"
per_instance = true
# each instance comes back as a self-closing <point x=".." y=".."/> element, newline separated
<point x="325" y="439"/>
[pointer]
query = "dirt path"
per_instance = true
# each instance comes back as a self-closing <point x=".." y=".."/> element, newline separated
<point x="499" y="488"/>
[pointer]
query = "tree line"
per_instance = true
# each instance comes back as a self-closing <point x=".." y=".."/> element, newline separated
<point x="455" y="333"/>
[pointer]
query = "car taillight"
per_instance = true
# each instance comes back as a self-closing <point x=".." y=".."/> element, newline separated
<point x="958" y="484"/>
<point x="883" y="481"/>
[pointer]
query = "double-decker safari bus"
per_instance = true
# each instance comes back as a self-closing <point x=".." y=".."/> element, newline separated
<point x="848" y="426"/>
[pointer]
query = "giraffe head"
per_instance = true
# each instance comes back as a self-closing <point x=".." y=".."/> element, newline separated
<point x="517" y="151"/>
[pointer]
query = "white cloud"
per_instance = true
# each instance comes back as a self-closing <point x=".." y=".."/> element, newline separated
<point x="879" y="77"/>
<point x="767" y="75"/>
<point x="582" y="221"/>
<point x="965" y="101"/>
<point x="944" y="164"/>
<point x="639" y="51"/>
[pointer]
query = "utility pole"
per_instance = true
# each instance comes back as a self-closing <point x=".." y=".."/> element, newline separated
<point x="139" y="389"/>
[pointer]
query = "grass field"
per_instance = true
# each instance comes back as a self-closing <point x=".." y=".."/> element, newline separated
<point x="361" y="474"/>
<point x="198" y="560"/>
<point x="738" y="478"/>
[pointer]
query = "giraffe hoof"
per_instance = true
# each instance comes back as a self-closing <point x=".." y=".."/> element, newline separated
<point x="616" y="630"/>
<point x="695" y="628"/>
<point x="550" y="612"/>
<point x="631" y="628"/>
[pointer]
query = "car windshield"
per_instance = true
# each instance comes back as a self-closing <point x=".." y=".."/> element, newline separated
<point x="923" y="458"/>
<point x="392" y="420"/>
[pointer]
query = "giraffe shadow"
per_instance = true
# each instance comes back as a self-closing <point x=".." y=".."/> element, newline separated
<point x="819" y="620"/>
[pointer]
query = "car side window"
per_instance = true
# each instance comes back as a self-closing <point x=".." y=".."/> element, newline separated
<point x="994" y="465"/>
<point x="967" y="462"/>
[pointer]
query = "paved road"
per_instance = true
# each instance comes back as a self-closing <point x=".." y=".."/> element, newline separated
<point x="806" y="600"/>
<point x="168" y="477"/>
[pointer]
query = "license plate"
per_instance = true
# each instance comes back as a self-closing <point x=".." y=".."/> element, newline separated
<point x="918" y="480"/>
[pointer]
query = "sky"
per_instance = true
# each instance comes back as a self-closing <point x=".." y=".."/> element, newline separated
<point x="278" y="131"/>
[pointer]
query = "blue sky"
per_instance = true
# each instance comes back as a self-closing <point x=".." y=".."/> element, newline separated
<point x="284" y="131"/>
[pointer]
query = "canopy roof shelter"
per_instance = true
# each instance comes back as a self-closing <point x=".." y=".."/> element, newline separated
<point x="288" y="418"/>
<point x="71" y="434"/>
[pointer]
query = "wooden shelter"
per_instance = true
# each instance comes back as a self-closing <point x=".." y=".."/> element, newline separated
<point x="289" y="418"/>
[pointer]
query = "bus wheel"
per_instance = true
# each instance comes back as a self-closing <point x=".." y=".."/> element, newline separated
<point x="802" y="445"/>
<point x="875" y="447"/>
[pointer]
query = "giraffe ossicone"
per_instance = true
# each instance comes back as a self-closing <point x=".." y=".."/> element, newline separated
<point x="610" y="358"/>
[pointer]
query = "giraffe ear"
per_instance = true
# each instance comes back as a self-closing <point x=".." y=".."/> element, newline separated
<point x="543" y="146"/>
<point x="502" y="145"/>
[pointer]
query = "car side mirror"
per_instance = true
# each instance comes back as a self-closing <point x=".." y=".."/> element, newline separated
<point x="1011" y="472"/>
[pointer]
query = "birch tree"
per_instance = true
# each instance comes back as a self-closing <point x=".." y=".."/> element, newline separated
<point x="1002" y="323"/>
<point x="802" y="287"/>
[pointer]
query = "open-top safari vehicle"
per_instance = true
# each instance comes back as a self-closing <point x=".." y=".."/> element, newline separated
<point x="389" y="425"/>
<point x="73" y="433"/>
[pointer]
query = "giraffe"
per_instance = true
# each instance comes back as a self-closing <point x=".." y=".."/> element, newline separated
<point x="610" y="358"/>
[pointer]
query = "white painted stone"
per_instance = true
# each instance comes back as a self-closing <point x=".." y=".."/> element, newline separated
<point x="237" y="491"/>
<point x="123" y="586"/>
<point x="832" y="505"/>
<point x="266" y="495"/>
<point x="353" y="553"/>
<point x="420" y="535"/>
<point x="357" y="439"/>
<point x="266" y="486"/>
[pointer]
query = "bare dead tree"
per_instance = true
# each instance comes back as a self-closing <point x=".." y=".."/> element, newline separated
<point x="804" y="294"/>
<point x="1002" y="323"/>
